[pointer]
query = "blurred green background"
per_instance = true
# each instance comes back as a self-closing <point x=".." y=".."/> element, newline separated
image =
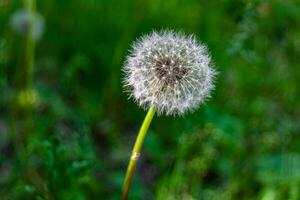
<point x="70" y="134"/>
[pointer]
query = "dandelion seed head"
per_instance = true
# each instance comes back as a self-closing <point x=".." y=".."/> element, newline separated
<point x="19" y="22"/>
<point x="177" y="73"/>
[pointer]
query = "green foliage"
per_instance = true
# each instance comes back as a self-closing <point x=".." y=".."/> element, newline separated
<point x="70" y="136"/>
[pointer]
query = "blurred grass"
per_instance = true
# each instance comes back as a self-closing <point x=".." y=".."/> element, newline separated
<point x="243" y="144"/>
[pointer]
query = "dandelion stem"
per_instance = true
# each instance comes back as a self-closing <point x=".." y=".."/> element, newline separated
<point x="30" y="44"/>
<point x="136" y="152"/>
<point x="24" y="116"/>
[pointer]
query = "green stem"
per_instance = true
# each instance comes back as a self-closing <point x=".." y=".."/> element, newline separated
<point x="25" y="116"/>
<point x="25" y="83"/>
<point x="136" y="152"/>
<point x="30" y="44"/>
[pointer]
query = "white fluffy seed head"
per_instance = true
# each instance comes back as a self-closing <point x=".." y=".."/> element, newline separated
<point x="19" y="22"/>
<point x="170" y="71"/>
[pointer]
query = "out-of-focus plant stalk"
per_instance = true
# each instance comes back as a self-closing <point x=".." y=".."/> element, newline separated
<point x="23" y="113"/>
<point x="24" y="87"/>
<point x="136" y="152"/>
<point x="30" y="44"/>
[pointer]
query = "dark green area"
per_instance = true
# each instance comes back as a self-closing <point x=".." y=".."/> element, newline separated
<point x="70" y="136"/>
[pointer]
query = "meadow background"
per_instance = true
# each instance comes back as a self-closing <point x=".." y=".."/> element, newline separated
<point x="69" y="135"/>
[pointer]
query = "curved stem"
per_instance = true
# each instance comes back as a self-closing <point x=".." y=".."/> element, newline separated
<point x="136" y="152"/>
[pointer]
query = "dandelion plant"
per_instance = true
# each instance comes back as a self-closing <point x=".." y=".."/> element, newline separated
<point x="168" y="73"/>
